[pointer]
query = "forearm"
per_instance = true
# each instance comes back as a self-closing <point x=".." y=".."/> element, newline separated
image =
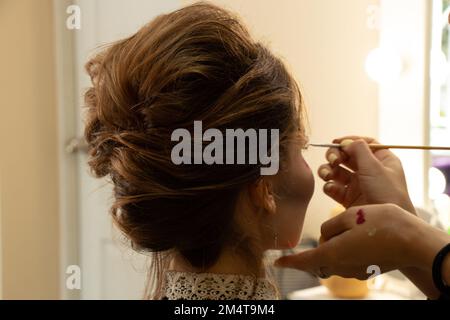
<point x="422" y="280"/>
<point x="423" y="248"/>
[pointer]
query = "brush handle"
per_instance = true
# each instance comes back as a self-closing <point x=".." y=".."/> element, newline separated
<point x="383" y="146"/>
<point x="379" y="146"/>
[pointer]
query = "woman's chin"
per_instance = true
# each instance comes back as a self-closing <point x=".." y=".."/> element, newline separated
<point x="292" y="244"/>
<point x="287" y="244"/>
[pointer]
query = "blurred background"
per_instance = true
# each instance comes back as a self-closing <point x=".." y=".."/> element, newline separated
<point x="369" y="67"/>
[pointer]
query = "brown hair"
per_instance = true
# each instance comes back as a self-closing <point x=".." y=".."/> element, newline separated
<point x="196" y="63"/>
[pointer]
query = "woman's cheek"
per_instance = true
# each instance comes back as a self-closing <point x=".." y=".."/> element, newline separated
<point x="306" y="177"/>
<point x="298" y="235"/>
<point x="291" y="219"/>
<point x="308" y="183"/>
<point x="312" y="184"/>
<point x="305" y="164"/>
<point x="299" y="185"/>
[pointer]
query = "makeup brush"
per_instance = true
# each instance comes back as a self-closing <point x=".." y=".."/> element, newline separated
<point x="381" y="146"/>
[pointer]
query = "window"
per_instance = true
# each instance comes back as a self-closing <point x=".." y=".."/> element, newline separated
<point x="439" y="173"/>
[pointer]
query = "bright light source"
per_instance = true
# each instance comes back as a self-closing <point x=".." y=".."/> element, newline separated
<point x="383" y="65"/>
<point x="437" y="183"/>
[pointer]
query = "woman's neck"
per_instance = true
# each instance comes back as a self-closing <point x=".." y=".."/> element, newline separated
<point x="229" y="262"/>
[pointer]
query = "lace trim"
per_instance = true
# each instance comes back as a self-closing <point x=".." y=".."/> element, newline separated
<point x="214" y="286"/>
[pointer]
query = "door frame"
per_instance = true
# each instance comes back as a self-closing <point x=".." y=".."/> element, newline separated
<point x="68" y="191"/>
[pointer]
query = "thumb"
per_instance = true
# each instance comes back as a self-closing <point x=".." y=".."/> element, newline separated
<point x="361" y="157"/>
<point x="307" y="261"/>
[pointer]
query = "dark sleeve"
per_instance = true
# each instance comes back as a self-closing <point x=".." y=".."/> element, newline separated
<point x="444" y="297"/>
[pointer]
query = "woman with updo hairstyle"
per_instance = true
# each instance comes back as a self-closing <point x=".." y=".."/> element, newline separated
<point x="207" y="227"/>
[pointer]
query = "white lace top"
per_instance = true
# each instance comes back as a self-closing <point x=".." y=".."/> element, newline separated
<point x="214" y="286"/>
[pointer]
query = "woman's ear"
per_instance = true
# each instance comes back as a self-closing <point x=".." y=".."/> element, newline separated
<point x="262" y="196"/>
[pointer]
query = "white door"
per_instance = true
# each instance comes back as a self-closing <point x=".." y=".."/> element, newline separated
<point x="109" y="270"/>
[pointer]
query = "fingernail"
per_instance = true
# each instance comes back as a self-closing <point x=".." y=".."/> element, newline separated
<point x="324" y="173"/>
<point x="332" y="158"/>
<point x="346" y="142"/>
<point x="328" y="186"/>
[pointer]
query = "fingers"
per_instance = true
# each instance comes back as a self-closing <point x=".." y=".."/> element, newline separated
<point x="329" y="258"/>
<point x="339" y="224"/>
<point x="339" y="174"/>
<point x="309" y="260"/>
<point x="366" y="139"/>
<point x="335" y="156"/>
<point x="380" y="154"/>
<point x="361" y="157"/>
<point x="338" y="179"/>
<point x="319" y="261"/>
<point x="336" y="191"/>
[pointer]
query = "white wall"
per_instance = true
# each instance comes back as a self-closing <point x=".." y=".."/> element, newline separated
<point x="403" y="108"/>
